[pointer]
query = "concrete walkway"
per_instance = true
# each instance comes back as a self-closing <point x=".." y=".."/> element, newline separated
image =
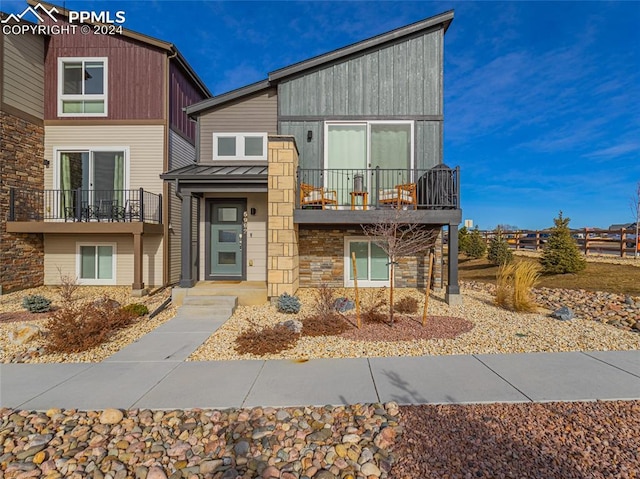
<point x="152" y="373"/>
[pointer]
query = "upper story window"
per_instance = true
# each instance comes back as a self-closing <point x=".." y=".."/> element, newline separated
<point x="239" y="146"/>
<point x="82" y="86"/>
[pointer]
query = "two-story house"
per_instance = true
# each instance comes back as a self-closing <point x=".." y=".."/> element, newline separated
<point x="113" y="121"/>
<point x="289" y="169"/>
<point x="21" y="151"/>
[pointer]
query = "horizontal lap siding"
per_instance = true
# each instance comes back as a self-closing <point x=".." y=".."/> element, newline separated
<point x="257" y="113"/>
<point x="60" y="257"/>
<point x="181" y="153"/>
<point x="23" y="71"/>
<point x="145" y="143"/>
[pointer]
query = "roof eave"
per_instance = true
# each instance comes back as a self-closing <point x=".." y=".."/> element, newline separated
<point x="209" y="103"/>
<point x="443" y="20"/>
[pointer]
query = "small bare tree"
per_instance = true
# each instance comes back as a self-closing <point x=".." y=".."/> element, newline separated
<point x="635" y="209"/>
<point x="399" y="239"/>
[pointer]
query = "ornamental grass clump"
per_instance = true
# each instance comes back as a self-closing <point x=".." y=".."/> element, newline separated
<point x="513" y="286"/>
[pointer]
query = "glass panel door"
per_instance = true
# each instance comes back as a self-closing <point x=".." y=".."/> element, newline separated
<point x="391" y="149"/>
<point x="225" y="258"/>
<point x="347" y="151"/>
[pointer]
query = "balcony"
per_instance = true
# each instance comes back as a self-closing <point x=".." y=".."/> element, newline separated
<point x="84" y="211"/>
<point x="430" y="196"/>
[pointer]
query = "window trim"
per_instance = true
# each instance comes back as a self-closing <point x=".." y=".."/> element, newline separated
<point x="89" y="149"/>
<point x="240" y="153"/>
<point x="82" y="97"/>
<point x="348" y="283"/>
<point x="96" y="281"/>
<point x="368" y="124"/>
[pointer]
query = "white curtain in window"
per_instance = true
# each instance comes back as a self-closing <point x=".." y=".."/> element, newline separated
<point x="390" y="146"/>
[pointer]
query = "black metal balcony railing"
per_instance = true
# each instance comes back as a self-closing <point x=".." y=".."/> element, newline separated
<point x="358" y="189"/>
<point x="84" y="205"/>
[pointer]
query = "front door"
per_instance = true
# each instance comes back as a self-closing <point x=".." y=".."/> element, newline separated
<point x="225" y="239"/>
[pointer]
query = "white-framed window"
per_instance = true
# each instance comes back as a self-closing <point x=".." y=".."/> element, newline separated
<point x="372" y="263"/>
<point x="239" y="146"/>
<point x="82" y="86"/>
<point x="96" y="263"/>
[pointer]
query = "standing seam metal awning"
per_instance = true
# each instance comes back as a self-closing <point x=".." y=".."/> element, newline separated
<point x="212" y="177"/>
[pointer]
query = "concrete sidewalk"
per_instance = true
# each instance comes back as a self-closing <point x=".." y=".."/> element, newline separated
<point x="152" y="373"/>
<point x="167" y="383"/>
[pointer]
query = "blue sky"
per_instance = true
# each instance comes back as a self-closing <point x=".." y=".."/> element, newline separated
<point x="542" y="99"/>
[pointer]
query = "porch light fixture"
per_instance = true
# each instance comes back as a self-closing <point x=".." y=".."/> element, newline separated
<point x="309" y="135"/>
<point x="46" y="163"/>
<point x="253" y="211"/>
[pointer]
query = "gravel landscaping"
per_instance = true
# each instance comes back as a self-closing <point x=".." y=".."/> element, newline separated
<point x="13" y="316"/>
<point x="493" y="330"/>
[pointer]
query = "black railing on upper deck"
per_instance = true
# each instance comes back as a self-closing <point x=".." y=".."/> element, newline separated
<point x="84" y="205"/>
<point x="358" y="189"/>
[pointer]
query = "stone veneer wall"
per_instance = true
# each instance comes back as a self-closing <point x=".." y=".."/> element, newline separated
<point x="21" y="165"/>
<point x="282" y="233"/>
<point x="322" y="260"/>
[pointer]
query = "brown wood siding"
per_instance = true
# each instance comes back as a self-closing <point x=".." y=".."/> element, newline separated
<point x="182" y="94"/>
<point x="135" y="82"/>
<point x="256" y="113"/>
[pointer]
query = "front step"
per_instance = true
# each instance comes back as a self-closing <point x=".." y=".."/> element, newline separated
<point x="247" y="293"/>
<point x="202" y="300"/>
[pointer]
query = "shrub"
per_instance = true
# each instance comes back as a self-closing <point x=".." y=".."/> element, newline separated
<point x="514" y="283"/>
<point x="374" y="300"/>
<point x="36" y="303"/>
<point x="407" y="305"/>
<point x="136" y="309"/>
<point x="561" y="254"/>
<point x="269" y="340"/>
<point x="324" y="326"/>
<point x="498" y="252"/>
<point x="288" y="304"/>
<point x="463" y="239"/>
<point x="68" y="287"/>
<point x="75" y="328"/>
<point x="477" y="246"/>
<point x="324" y="301"/>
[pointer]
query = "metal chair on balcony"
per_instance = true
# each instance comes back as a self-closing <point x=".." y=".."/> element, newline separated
<point x="314" y="196"/>
<point x="399" y="196"/>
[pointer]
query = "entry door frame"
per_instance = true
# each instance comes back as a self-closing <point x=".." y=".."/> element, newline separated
<point x="209" y="207"/>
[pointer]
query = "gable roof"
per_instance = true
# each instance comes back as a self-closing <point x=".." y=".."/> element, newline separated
<point x="442" y="20"/>
<point x="170" y="48"/>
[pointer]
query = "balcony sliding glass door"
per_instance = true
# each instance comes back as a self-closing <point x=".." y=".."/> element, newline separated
<point x="361" y="147"/>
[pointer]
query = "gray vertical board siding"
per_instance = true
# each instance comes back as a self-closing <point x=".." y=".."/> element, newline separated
<point x="404" y="78"/>
<point x="23" y="73"/>
<point x="371" y="79"/>
<point x="428" y="143"/>
<point x="310" y="152"/>
<point x="181" y="151"/>
<point x="256" y="113"/>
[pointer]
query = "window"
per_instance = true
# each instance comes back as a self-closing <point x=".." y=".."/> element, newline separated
<point x="82" y="86"/>
<point x="372" y="263"/>
<point x="239" y="146"/>
<point x="96" y="263"/>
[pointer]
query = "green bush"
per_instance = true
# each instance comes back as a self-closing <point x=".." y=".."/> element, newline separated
<point x="477" y="246"/>
<point x="36" y="303"/>
<point x="463" y="239"/>
<point x="561" y="254"/>
<point x="136" y="309"/>
<point x="288" y="304"/>
<point x="498" y="252"/>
